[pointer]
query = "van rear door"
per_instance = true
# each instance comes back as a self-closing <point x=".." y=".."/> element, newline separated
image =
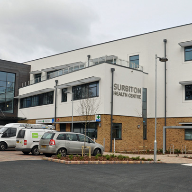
<point x="20" y="139"/>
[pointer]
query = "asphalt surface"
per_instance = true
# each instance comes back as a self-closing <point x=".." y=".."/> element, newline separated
<point x="43" y="176"/>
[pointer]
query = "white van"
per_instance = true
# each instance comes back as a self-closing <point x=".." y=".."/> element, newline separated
<point x="8" y="135"/>
<point x="27" y="139"/>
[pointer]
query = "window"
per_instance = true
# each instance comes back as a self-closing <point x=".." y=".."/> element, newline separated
<point x="91" y="130"/>
<point x="61" y="137"/>
<point x="50" y="74"/>
<point x="188" y="92"/>
<point x="116" y="130"/>
<point x="188" y="53"/>
<point x="86" y="91"/>
<point x="64" y="95"/>
<point x="37" y="78"/>
<point x="188" y="134"/>
<point x="71" y="137"/>
<point x="134" y="61"/>
<point x="10" y="132"/>
<point x="37" y="100"/>
<point x="7" y="90"/>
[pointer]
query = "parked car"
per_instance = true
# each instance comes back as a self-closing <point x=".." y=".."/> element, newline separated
<point x="27" y="140"/>
<point x="67" y="143"/>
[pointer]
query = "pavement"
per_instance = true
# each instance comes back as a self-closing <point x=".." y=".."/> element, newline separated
<point x="173" y="158"/>
<point x="12" y="155"/>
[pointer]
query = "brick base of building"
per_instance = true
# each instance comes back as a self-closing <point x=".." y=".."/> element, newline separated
<point x="132" y="134"/>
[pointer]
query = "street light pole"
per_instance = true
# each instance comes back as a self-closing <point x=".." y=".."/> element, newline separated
<point x="162" y="59"/>
<point x="155" y="141"/>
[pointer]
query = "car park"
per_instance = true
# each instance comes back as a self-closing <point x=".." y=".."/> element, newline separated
<point x="27" y="139"/>
<point x="67" y="143"/>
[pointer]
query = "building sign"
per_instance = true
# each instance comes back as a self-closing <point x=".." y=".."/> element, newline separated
<point x="45" y="120"/>
<point x="127" y="91"/>
<point x="98" y="118"/>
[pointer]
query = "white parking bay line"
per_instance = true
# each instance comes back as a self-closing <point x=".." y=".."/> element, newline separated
<point x="189" y="164"/>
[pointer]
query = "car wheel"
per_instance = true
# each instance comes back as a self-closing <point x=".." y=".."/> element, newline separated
<point x="47" y="154"/>
<point x="25" y="153"/>
<point x="3" y="146"/>
<point x="96" y="152"/>
<point x="62" y="151"/>
<point x="35" y="151"/>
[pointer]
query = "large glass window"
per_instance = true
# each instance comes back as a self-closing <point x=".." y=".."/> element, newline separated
<point x="91" y="130"/>
<point x="7" y="90"/>
<point x="64" y="95"/>
<point x="37" y="100"/>
<point x="116" y="130"/>
<point x="134" y="61"/>
<point x="188" y="134"/>
<point x="188" y="92"/>
<point x="188" y="53"/>
<point x="86" y="90"/>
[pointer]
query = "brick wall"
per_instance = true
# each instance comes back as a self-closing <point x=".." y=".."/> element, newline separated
<point x="132" y="136"/>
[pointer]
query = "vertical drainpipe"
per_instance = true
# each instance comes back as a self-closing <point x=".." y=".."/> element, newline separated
<point x="88" y="56"/>
<point x="112" y="73"/>
<point x="56" y="82"/>
<point x="165" y="55"/>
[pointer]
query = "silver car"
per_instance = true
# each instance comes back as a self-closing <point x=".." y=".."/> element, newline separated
<point x="67" y="143"/>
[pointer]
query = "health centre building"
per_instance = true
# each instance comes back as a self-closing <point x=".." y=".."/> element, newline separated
<point x="110" y="87"/>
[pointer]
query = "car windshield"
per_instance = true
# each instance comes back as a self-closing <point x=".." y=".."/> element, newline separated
<point x="3" y="129"/>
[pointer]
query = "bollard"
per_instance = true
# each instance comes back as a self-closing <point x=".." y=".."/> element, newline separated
<point x="185" y="149"/>
<point x="94" y="139"/>
<point x="182" y="149"/>
<point x="173" y="149"/>
<point x="170" y="150"/>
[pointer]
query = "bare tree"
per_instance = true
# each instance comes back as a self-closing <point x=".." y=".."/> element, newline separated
<point x="87" y="108"/>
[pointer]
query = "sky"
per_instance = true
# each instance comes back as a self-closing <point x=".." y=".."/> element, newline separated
<point x="32" y="29"/>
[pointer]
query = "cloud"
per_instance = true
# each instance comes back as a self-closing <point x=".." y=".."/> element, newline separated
<point x="32" y="29"/>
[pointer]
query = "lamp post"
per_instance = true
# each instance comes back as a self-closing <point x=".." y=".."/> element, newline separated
<point x="72" y="108"/>
<point x="162" y="59"/>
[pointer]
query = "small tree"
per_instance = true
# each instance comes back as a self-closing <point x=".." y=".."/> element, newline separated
<point x="87" y="108"/>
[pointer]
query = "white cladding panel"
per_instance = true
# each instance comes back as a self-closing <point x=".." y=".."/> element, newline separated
<point x="146" y="46"/>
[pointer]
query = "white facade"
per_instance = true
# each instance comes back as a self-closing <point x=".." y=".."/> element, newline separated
<point x="146" y="46"/>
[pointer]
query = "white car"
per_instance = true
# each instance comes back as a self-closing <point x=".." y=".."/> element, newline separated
<point x="8" y="135"/>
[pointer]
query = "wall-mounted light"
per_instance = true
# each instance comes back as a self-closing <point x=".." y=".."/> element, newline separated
<point x="138" y="126"/>
<point x="99" y="124"/>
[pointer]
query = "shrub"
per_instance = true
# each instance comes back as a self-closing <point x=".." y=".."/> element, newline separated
<point x="177" y="151"/>
<point x="96" y="157"/>
<point x="149" y="159"/>
<point x="59" y="156"/>
<point x="161" y="150"/>
<point x="81" y="158"/>
<point x="120" y="157"/>
<point x="107" y="157"/>
<point x="113" y="155"/>
<point x="70" y="157"/>
<point x="147" y="150"/>
<point x="143" y="159"/>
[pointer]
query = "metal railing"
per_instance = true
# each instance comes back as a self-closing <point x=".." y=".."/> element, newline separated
<point x="71" y="68"/>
